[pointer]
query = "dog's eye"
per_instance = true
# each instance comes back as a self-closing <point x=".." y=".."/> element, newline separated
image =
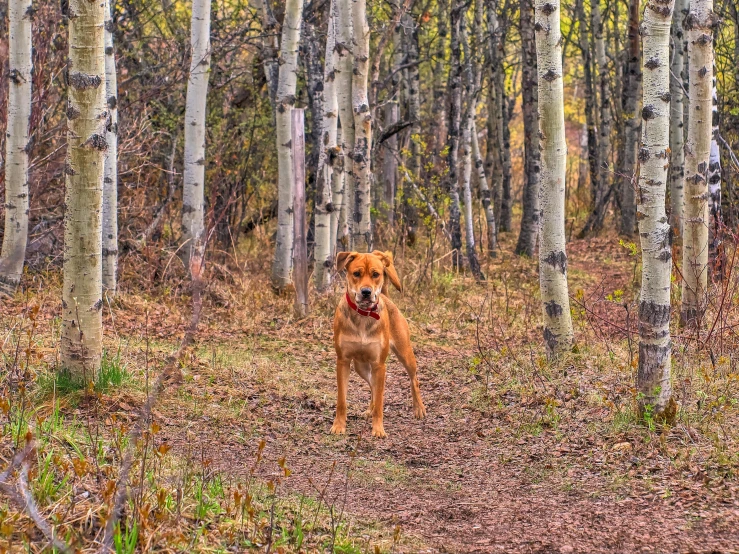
<point x="375" y="275"/>
<point x="357" y="274"/>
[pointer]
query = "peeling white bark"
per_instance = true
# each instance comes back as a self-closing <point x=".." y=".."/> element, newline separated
<point x="677" y="128"/>
<point x="110" y="180"/>
<point x="361" y="227"/>
<point x="193" y="195"/>
<point x="653" y="376"/>
<point x="325" y="207"/>
<point x="552" y="256"/>
<point x="714" y="184"/>
<point x="699" y="27"/>
<point x="282" y="264"/>
<point x="16" y="153"/>
<point x="82" y="304"/>
<point x="344" y="68"/>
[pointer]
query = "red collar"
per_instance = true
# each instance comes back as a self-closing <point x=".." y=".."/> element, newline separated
<point x="372" y="312"/>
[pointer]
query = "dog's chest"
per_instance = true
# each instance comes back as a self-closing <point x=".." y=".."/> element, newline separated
<point x="362" y="341"/>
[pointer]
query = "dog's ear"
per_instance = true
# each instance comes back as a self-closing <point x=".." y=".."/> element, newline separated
<point x="343" y="259"/>
<point x="390" y="273"/>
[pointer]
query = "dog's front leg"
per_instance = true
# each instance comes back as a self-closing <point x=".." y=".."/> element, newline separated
<point x="342" y="384"/>
<point x="378" y="399"/>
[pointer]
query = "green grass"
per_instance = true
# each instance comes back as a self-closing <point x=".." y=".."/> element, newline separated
<point x="113" y="373"/>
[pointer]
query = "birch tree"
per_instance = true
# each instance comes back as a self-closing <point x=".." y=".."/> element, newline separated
<point x="344" y="68"/>
<point x="82" y="330"/>
<point x="287" y="83"/>
<point x="714" y="186"/>
<point x="532" y="156"/>
<point x="324" y="177"/>
<point x="552" y="256"/>
<point x="193" y="194"/>
<point x="699" y="27"/>
<point x="110" y="180"/>
<point x="485" y="193"/>
<point x="16" y="152"/>
<point x="361" y="167"/>
<point x="653" y="384"/>
<point x="677" y="127"/>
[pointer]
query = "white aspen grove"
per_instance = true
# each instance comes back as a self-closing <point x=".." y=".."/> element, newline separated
<point x="193" y="194"/>
<point x="558" y="332"/>
<point x="324" y="207"/>
<point x="15" y="235"/>
<point x="286" y="86"/>
<point x="82" y="304"/>
<point x="361" y="226"/>
<point x="110" y="180"/>
<point x="677" y="127"/>
<point x="699" y="27"/>
<point x="654" y="388"/>
<point x="344" y="69"/>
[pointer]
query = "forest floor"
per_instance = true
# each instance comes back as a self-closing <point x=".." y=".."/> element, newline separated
<point x="517" y="454"/>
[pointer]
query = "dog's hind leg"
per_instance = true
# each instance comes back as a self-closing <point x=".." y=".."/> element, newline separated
<point x="343" y="367"/>
<point x="365" y="372"/>
<point x="401" y="347"/>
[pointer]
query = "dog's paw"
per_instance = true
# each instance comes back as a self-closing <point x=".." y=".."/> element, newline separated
<point x="338" y="428"/>
<point x="378" y="432"/>
<point x="419" y="411"/>
<point x="368" y="413"/>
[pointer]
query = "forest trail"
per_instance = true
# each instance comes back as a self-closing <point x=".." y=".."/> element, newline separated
<point x="549" y="461"/>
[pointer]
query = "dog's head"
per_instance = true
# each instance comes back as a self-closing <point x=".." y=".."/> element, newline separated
<point x="367" y="275"/>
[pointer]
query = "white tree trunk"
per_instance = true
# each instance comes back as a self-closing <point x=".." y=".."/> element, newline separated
<point x="699" y="26"/>
<point x="282" y="264"/>
<point x="552" y="256"/>
<point x="677" y="130"/>
<point x="653" y="384"/>
<point x="193" y="195"/>
<point x="325" y="207"/>
<point x="714" y="186"/>
<point x="110" y="181"/>
<point x="82" y="304"/>
<point x="338" y="184"/>
<point x="16" y="155"/>
<point x="485" y="192"/>
<point x="344" y="68"/>
<point x="361" y="237"/>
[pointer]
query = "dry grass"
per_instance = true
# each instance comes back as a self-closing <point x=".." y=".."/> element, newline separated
<point x="509" y="433"/>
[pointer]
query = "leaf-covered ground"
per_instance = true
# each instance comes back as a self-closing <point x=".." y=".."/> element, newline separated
<point x="517" y="454"/>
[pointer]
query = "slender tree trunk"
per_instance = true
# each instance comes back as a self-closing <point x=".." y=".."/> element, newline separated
<point x="16" y="146"/>
<point x="677" y="150"/>
<point x="440" y="92"/>
<point x="714" y="189"/>
<point x="604" y="128"/>
<point x="270" y="48"/>
<point x="699" y="27"/>
<point x="506" y="202"/>
<point x="552" y="256"/>
<point x="82" y="304"/>
<point x="455" y="117"/>
<point x="282" y="264"/>
<point x="590" y="116"/>
<point x="632" y="124"/>
<point x="110" y="181"/>
<point x="485" y="193"/>
<point x="324" y="206"/>
<point x="344" y="69"/>
<point x="532" y="162"/>
<point x="390" y="165"/>
<point x="338" y="182"/>
<point x="653" y="377"/>
<point x="193" y="195"/>
<point x="472" y="88"/>
<point x="361" y="168"/>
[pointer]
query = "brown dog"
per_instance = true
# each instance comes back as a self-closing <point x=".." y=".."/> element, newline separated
<point x="367" y="325"/>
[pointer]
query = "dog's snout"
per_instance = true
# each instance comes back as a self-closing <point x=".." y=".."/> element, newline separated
<point x="366" y="292"/>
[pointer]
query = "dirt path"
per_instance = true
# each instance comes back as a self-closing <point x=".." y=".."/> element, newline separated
<point x="547" y="461"/>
